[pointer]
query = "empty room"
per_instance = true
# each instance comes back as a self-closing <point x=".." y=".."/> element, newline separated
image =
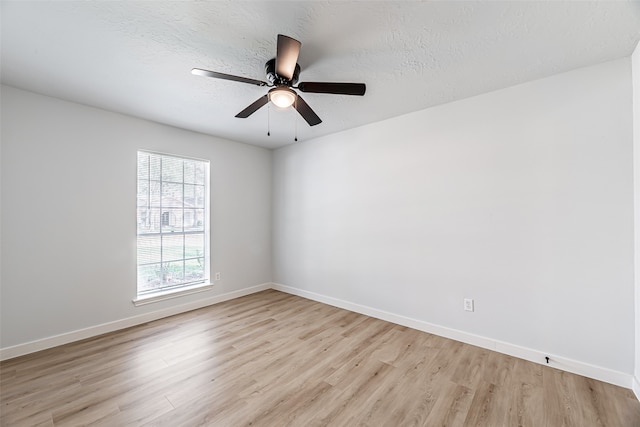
<point x="320" y="213"/>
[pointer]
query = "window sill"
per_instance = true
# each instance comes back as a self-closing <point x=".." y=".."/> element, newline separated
<point x="162" y="296"/>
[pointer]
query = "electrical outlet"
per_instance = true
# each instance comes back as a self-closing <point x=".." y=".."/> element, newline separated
<point x="468" y="304"/>
<point x="217" y="276"/>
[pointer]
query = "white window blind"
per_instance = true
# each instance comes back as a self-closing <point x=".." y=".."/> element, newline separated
<point x="172" y="218"/>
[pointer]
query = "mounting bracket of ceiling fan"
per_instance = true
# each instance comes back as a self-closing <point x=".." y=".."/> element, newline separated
<point x="283" y="72"/>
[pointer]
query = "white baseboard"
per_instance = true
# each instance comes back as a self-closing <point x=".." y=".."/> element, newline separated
<point x="49" y="342"/>
<point x="601" y="374"/>
<point x="636" y="387"/>
<point x="569" y="365"/>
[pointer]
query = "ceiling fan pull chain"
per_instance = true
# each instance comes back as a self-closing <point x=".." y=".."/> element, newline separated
<point x="295" y="137"/>
<point x="268" y="120"/>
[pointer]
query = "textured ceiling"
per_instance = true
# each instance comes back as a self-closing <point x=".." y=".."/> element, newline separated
<point x="135" y="57"/>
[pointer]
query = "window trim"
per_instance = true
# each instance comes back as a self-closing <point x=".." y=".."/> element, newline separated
<point x="189" y="288"/>
<point x="171" y="293"/>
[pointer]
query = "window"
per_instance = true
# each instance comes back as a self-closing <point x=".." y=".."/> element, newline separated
<point x="172" y="218"/>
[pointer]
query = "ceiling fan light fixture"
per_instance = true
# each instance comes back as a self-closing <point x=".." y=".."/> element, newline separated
<point x="282" y="96"/>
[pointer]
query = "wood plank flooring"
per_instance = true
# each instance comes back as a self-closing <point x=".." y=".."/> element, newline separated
<point x="273" y="359"/>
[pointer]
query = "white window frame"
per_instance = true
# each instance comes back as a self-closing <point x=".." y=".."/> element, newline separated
<point x="200" y="285"/>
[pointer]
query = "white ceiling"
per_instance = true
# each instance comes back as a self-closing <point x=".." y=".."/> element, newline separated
<point x="135" y="57"/>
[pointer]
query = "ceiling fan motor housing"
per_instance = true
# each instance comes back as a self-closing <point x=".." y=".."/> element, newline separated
<point x="274" y="78"/>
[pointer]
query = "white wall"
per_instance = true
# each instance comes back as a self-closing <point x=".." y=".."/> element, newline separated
<point x="521" y="199"/>
<point x="635" y="64"/>
<point x="68" y="214"/>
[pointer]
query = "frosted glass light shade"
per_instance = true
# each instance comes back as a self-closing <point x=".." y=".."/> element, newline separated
<point x="282" y="97"/>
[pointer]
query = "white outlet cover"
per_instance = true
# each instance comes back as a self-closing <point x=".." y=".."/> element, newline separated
<point x="468" y="304"/>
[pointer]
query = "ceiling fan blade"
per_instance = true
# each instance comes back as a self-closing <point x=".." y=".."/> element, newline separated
<point x="260" y="102"/>
<point x="306" y="112"/>
<point x="216" y="75"/>
<point x="287" y="56"/>
<point x="335" y="88"/>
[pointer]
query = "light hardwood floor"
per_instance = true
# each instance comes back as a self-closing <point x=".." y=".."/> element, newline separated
<point x="273" y="359"/>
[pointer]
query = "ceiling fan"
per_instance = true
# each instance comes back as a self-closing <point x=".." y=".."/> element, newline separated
<point x="283" y="72"/>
